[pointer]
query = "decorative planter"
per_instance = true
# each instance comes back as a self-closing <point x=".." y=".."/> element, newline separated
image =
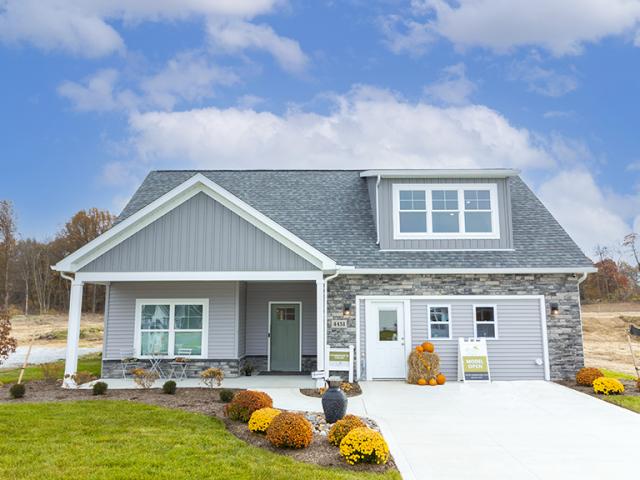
<point x="334" y="401"/>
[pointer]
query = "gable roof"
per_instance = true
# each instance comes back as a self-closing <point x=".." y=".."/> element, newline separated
<point x="330" y="210"/>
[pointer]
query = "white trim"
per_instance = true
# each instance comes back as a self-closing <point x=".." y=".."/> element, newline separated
<point x="463" y="271"/>
<point x="195" y="276"/>
<point x="545" y="338"/>
<point x="496" y="336"/>
<point x="447" y="249"/>
<point x="428" y="188"/>
<point x="357" y="348"/>
<point x="172" y="302"/>
<point x="452" y="297"/>
<point x="321" y="325"/>
<point x="443" y="173"/>
<point x="449" y="322"/>
<point x="183" y="192"/>
<point x="278" y="302"/>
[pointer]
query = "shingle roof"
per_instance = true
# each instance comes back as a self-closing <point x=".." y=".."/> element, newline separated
<point x="330" y="210"/>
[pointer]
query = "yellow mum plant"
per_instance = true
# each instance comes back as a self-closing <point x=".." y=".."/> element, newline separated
<point x="261" y="419"/>
<point x="364" y="445"/>
<point x="607" y="386"/>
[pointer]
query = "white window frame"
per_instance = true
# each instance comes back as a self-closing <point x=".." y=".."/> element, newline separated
<point x="428" y="188"/>
<point x="450" y="322"/>
<point x="495" y="320"/>
<point x="172" y="302"/>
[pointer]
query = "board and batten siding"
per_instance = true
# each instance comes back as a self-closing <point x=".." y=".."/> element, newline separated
<point x="259" y="294"/>
<point x="223" y="314"/>
<point x="512" y="356"/>
<point x="199" y="235"/>
<point x="387" y="242"/>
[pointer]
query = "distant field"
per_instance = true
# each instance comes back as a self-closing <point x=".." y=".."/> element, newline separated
<point x="51" y="329"/>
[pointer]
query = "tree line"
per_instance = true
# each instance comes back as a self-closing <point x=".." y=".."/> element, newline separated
<point x="27" y="283"/>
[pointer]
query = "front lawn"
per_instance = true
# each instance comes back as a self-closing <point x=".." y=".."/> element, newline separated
<point x="618" y="375"/>
<point x="626" y="401"/>
<point x="87" y="363"/>
<point x="124" y="440"/>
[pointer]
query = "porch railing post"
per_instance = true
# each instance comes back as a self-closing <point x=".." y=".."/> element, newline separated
<point x="321" y="325"/>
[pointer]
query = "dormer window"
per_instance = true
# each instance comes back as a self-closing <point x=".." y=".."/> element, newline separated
<point x="467" y="210"/>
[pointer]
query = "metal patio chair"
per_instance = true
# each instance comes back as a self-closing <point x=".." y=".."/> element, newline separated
<point x="127" y="362"/>
<point x="180" y="364"/>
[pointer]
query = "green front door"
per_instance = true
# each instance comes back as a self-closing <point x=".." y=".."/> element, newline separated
<point x="285" y="337"/>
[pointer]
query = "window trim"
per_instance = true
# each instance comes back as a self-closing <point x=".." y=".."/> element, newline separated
<point x="172" y="302"/>
<point x="428" y="188"/>
<point x="450" y="322"/>
<point x="495" y="320"/>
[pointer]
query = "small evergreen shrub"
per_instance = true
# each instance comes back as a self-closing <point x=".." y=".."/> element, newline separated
<point x="245" y="403"/>
<point x="340" y="429"/>
<point x="100" y="388"/>
<point x="169" y="387"/>
<point x="587" y="375"/>
<point x="226" y="395"/>
<point x="17" y="390"/>
<point x="261" y="419"/>
<point x="608" y="386"/>
<point x="364" y="445"/>
<point x="290" y="430"/>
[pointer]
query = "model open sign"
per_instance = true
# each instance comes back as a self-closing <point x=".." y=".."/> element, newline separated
<point x="473" y="360"/>
<point x="340" y="359"/>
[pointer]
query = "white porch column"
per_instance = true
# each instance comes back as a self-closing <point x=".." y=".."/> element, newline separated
<point x="321" y="327"/>
<point x="73" y="334"/>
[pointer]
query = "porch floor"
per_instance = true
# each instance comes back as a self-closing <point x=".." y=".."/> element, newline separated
<point x="244" y="382"/>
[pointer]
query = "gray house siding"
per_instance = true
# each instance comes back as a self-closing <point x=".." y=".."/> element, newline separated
<point x="387" y="241"/>
<point x="259" y="294"/>
<point x="199" y="235"/>
<point x="242" y="318"/>
<point x="223" y="309"/>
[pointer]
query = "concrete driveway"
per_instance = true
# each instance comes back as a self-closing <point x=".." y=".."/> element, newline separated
<point x="502" y="430"/>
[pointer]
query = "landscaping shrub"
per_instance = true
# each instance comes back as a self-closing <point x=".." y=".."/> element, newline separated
<point x="607" y="386"/>
<point x="226" y="395"/>
<point x="212" y="377"/>
<point x="587" y="375"/>
<point x="340" y="429"/>
<point x="364" y="445"/>
<point x="52" y="371"/>
<point x="245" y="403"/>
<point x="261" y="419"/>
<point x="290" y="430"/>
<point x="144" y="378"/>
<point x="169" y="387"/>
<point x="83" y="377"/>
<point x="17" y="390"/>
<point x="100" y="388"/>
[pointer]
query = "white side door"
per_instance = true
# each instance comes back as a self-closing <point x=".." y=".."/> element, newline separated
<point x="386" y="336"/>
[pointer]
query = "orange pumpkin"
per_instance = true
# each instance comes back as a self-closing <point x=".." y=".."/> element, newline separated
<point x="432" y="382"/>
<point x="422" y="381"/>
<point x="419" y="349"/>
<point x="428" y="347"/>
<point x="440" y="378"/>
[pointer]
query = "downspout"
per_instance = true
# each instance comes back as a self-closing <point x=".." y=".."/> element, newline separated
<point x="377" y="212"/>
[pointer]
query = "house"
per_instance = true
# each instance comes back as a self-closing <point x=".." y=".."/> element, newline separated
<point x="271" y="266"/>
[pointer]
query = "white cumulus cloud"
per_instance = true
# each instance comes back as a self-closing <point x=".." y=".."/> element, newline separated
<point x="453" y="87"/>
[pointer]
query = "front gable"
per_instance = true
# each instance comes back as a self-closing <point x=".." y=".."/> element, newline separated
<point x="199" y="235"/>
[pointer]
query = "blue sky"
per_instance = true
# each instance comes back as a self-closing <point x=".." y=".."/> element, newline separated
<point x="96" y="93"/>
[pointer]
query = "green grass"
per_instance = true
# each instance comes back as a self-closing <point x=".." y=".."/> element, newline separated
<point x="125" y="440"/>
<point x="632" y="403"/>
<point x="86" y="363"/>
<point x="613" y="374"/>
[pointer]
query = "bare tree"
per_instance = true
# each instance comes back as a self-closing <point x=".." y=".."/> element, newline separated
<point x="7" y="342"/>
<point x="631" y="242"/>
<point x="7" y="234"/>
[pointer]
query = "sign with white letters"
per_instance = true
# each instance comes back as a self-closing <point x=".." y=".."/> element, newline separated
<point x="340" y="359"/>
<point x="338" y="324"/>
<point x="473" y="360"/>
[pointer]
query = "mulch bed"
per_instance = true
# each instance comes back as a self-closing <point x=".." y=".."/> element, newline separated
<point x="314" y="392"/>
<point x="630" y="389"/>
<point x="203" y="401"/>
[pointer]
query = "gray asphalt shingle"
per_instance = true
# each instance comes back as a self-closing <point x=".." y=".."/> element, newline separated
<point x="330" y="210"/>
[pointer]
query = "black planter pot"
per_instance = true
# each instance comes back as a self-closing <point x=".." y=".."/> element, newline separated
<point x="334" y="401"/>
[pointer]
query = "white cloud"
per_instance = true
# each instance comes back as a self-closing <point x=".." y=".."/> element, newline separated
<point x="558" y="114"/>
<point x="582" y="208"/>
<point x="81" y="27"/>
<point x="453" y="87"/>
<point x="235" y="36"/>
<point x="403" y="35"/>
<point x="187" y="77"/>
<point x="561" y="27"/>
<point x="544" y="81"/>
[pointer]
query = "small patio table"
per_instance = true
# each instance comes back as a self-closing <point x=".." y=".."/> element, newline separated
<point x="156" y="364"/>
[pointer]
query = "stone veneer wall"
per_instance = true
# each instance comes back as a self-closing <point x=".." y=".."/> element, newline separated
<point x="564" y="330"/>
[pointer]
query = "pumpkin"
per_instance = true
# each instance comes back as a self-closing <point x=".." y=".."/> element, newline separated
<point x="428" y="347"/>
<point x="432" y="382"/>
<point x="422" y="381"/>
<point x="440" y="379"/>
<point x="419" y="349"/>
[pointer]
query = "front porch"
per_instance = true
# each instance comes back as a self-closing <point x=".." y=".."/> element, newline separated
<point x="275" y="325"/>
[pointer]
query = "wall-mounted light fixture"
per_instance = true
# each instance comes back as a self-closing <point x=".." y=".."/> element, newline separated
<point x="555" y="309"/>
<point x="346" y="310"/>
